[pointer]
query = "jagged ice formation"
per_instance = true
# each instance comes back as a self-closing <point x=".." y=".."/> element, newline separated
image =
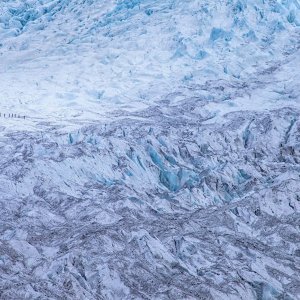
<point x="159" y="157"/>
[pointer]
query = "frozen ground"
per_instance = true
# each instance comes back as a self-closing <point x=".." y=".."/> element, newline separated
<point x="159" y="157"/>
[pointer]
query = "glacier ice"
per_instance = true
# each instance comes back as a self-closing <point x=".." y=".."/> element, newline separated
<point x="159" y="157"/>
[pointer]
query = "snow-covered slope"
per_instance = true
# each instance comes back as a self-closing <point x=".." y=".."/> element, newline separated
<point x="159" y="157"/>
<point x="62" y="57"/>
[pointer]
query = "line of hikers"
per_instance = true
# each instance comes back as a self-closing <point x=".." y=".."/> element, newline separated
<point x="11" y="116"/>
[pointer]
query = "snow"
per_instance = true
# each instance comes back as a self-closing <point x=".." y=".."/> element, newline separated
<point x="159" y="154"/>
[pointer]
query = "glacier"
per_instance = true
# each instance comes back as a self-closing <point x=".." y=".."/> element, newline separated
<point x="159" y="155"/>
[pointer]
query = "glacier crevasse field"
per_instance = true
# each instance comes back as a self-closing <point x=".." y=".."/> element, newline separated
<point x="159" y="157"/>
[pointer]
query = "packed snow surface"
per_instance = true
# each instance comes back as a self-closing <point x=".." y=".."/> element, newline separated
<point x="159" y="156"/>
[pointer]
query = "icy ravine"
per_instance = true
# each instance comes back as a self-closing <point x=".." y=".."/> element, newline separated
<point x="160" y="156"/>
